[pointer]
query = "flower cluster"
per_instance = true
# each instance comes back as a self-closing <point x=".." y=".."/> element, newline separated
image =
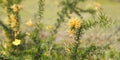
<point x="71" y="32"/>
<point x="16" y="7"/>
<point x="12" y="11"/>
<point x="73" y="24"/>
<point x="12" y="20"/>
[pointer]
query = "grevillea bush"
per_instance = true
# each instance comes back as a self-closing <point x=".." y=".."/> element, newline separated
<point x="40" y="43"/>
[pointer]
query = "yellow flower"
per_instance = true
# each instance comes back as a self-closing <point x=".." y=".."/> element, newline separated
<point x="4" y="46"/>
<point x="49" y="27"/>
<point x="16" y="42"/>
<point x="20" y="7"/>
<point x="29" y="23"/>
<point x="97" y="5"/>
<point x="71" y="32"/>
<point x="13" y="25"/>
<point x="81" y="41"/>
<point x="27" y="33"/>
<point x="5" y="10"/>
<point x="74" y="23"/>
<point x="17" y="32"/>
<point x="67" y="50"/>
<point x="14" y="20"/>
<point x="4" y="52"/>
<point x="7" y="21"/>
<point x="4" y="1"/>
<point x="12" y="17"/>
<point x="4" y="33"/>
<point x="15" y="8"/>
<point x="110" y="46"/>
<point x="46" y="54"/>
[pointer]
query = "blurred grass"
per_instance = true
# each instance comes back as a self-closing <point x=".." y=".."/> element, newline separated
<point x="30" y="9"/>
<point x="111" y="8"/>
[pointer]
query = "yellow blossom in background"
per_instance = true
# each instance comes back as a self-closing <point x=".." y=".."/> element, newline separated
<point x="12" y="17"/>
<point x="16" y="33"/>
<point x="46" y="54"/>
<point x="4" y="33"/>
<point x="13" y="25"/>
<point x="5" y="10"/>
<point x="14" y="20"/>
<point x="5" y="45"/>
<point x="4" y="1"/>
<point x="16" y="30"/>
<point x="81" y="41"/>
<point x="74" y="23"/>
<point x="7" y="20"/>
<point x="16" y="42"/>
<point x="26" y="59"/>
<point x="27" y="33"/>
<point x="20" y="7"/>
<point x="71" y="32"/>
<point x="49" y="27"/>
<point x="29" y="23"/>
<point x="97" y="5"/>
<point x="3" y="53"/>
<point x="110" y="46"/>
<point x="15" y="8"/>
<point x="67" y="50"/>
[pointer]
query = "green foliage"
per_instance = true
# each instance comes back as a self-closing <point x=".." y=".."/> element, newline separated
<point x="38" y="46"/>
<point x="102" y="21"/>
<point x="8" y="31"/>
<point x="85" y="25"/>
<point x="41" y="8"/>
<point x="0" y="1"/>
<point x="67" y="8"/>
